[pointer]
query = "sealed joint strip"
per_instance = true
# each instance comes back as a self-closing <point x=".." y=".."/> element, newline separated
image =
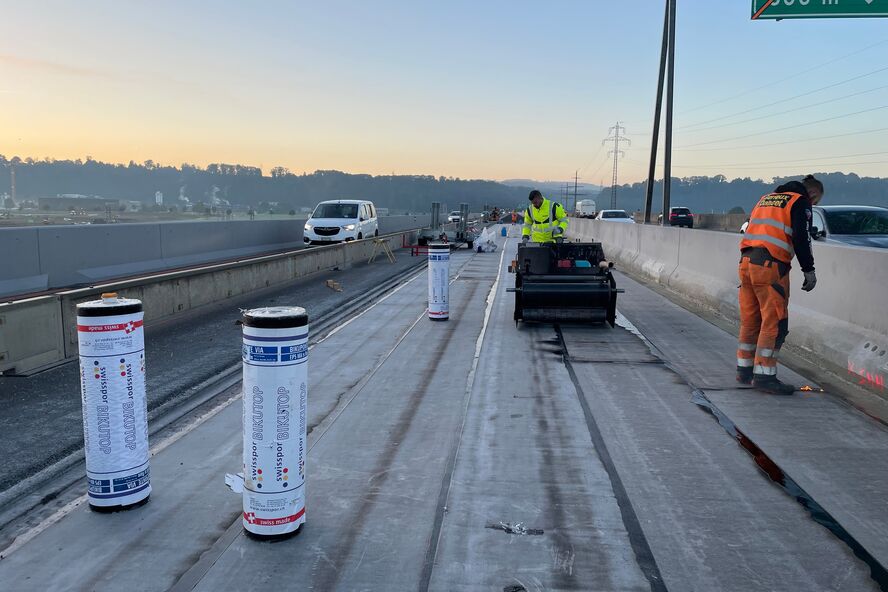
<point x="643" y="554"/>
<point x="878" y="572"/>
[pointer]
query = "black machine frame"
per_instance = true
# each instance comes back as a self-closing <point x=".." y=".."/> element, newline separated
<point x="547" y="292"/>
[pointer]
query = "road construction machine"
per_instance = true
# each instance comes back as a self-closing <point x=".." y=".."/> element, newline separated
<point x="564" y="282"/>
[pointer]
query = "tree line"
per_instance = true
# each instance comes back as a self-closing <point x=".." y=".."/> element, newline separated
<point x="718" y="194"/>
<point x="247" y="185"/>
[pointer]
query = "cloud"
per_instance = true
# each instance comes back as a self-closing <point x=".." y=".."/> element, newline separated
<point x="52" y="67"/>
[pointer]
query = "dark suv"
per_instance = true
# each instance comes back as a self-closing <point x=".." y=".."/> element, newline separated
<point x="679" y="217"/>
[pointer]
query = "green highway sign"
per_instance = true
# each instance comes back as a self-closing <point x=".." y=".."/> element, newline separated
<point x="789" y="9"/>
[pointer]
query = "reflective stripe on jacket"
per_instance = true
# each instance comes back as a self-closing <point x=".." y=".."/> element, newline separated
<point x="544" y="224"/>
<point x="770" y="225"/>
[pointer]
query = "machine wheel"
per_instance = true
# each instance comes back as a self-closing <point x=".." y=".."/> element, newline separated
<point x="518" y="306"/>
<point x="611" y="313"/>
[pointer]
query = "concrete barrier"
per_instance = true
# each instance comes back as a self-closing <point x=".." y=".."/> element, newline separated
<point x="41" y="332"/>
<point x="31" y="333"/>
<point x="724" y="222"/>
<point x="58" y="257"/>
<point x="843" y="322"/>
<point x="20" y="270"/>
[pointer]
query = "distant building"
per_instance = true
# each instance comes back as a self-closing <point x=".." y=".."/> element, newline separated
<point x="67" y="203"/>
<point x="158" y="198"/>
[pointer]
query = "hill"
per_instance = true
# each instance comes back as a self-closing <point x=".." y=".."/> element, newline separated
<point x="717" y="194"/>
<point x="221" y="184"/>
<point x="244" y="185"/>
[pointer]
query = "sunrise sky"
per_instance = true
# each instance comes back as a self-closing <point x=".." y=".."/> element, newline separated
<point x="492" y="90"/>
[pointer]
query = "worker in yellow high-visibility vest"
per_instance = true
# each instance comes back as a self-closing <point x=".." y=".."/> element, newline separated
<point x="545" y="221"/>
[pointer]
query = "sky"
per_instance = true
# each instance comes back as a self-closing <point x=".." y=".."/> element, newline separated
<point x="469" y="89"/>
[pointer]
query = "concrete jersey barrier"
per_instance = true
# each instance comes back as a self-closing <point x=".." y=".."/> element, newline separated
<point x="55" y="257"/>
<point x="39" y="332"/>
<point x="843" y="321"/>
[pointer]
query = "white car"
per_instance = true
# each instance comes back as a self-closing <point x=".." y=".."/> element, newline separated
<point x="454" y="216"/>
<point x="586" y="209"/>
<point x="341" y="220"/>
<point x="615" y="216"/>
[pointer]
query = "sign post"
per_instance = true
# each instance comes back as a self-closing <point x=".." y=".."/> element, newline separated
<point x="795" y="9"/>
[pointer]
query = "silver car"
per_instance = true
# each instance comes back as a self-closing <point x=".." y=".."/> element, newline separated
<point x="615" y="216"/>
<point x="861" y="226"/>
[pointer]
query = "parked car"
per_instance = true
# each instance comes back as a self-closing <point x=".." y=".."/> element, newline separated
<point x="341" y="220"/>
<point x="679" y="216"/>
<point x="454" y="216"/>
<point x="615" y="216"/>
<point x="862" y="226"/>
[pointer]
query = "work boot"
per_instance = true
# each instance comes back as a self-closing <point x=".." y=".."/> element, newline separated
<point x="744" y="375"/>
<point x="770" y="384"/>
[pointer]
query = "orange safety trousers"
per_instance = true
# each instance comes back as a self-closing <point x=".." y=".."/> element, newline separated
<point x="764" y="314"/>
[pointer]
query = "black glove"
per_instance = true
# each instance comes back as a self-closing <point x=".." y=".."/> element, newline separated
<point x="559" y="239"/>
<point x="524" y="239"/>
<point x="810" y="281"/>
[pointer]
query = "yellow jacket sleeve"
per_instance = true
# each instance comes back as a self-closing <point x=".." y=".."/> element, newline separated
<point x="561" y="218"/>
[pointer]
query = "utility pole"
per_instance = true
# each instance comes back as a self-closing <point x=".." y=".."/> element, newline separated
<point x="576" y="193"/>
<point x="12" y="179"/>
<point x="615" y="135"/>
<point x="670" y="80"/>
<point x="576" y="178"/>
<point x="667" y="70"/>
<point x="664" y="53"/>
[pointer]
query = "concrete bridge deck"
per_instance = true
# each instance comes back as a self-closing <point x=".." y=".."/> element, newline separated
<point x="480" y="455"/>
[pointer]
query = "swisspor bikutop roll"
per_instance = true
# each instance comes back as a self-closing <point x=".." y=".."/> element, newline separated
<point x="275" y="360"/>
<point x="115" y="413"/>
<point x="439" y="281"/>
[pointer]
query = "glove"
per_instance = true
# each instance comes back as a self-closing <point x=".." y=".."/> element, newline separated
<point x="524" y="239"/>
<point x="810" y="281"/>
<point x="559" y="239"/>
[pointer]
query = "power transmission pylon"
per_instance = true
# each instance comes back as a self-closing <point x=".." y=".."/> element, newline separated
<point x="577" y="194"/>
<point x="616" y="136"/>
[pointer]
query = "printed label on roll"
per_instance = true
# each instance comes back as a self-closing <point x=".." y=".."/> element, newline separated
<point x="275" y="443"/>
<point x="115" y="414"/>
<point x="439" y="283"/>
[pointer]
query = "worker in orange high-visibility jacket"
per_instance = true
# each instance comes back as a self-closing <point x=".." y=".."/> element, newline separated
<point x="544" y="220"/>
<point x="779" y="227"/>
